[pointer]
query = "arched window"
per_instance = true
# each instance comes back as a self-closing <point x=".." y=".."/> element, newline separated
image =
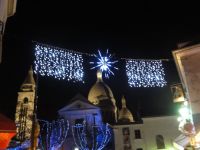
<point x="160" y="142"/>
<point x="25" y="100"/>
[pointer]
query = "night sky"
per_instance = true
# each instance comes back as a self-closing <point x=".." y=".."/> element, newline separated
<point x="87" y="29"/>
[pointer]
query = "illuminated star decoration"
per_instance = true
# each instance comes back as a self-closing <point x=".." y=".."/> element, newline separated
<point x="104" y="63"/>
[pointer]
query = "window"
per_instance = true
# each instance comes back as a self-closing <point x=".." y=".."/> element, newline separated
<point x="126" y="138"/>
<point x="25" y="100"/>
<point x="137" y="134"/>
<point x="160" y="142"/>
<point x="125" y="131"/>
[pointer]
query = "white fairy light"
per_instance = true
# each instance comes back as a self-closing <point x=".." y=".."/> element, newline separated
<point x="145" y="73"/>
<point x="58" y="63"/>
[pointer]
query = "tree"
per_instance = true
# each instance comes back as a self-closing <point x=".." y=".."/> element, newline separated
<point x="95" y="138"/>
<point x="53" y="134"/>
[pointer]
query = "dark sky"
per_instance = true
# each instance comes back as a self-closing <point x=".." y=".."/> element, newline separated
<point x="87" y="29"/>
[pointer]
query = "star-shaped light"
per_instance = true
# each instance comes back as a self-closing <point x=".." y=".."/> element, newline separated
<point x="104" y="63"/>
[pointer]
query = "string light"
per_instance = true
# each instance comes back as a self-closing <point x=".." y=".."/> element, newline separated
<point x="53" y="134"/>
<point x="24" y="145"/>
<point x="100" y="134"/>
<point x="58" y="63"/>
<point x="103" y="136"/>
<point x="104" y="63"/>
<point x="145" y="73"/>
<point x="68" y="64"/>
<point x="79" y="135"/>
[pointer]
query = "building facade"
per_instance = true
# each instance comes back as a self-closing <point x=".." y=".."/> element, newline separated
<point x="24" y="108"/>
<point x="150" y="133"/>
<point x="99" y="108"/>
<point x="187" y="63"/>
<point x="7" y="9"/>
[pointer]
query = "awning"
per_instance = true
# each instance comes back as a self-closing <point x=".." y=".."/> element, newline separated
<point x="7" y="131"/>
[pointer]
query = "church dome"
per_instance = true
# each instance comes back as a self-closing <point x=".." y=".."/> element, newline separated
<point x="124" y="114"/>
<point x="100" y="91"/>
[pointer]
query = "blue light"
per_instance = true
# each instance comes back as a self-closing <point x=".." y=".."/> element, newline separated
<point x="104" y="63"/>
<point x="24" y="145"/>
<point x="102" y="136"/>
<point x="53" y="134"/>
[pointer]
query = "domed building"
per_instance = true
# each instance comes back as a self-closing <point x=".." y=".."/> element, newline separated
<point x="127" y="133"/>
<point x="101" y="95"/>
<point x="125" y="116"/>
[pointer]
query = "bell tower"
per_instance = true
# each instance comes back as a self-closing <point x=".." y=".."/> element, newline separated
<point x="25" y="107"/>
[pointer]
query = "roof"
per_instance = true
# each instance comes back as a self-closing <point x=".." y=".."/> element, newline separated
<point x="79" y="96"/>
<point x="29" y="78"/>
<point x="6" y="124"/>
<point x="100" y="91"/>
<point x="78" y="100"/>
<point x="124" y="113"/>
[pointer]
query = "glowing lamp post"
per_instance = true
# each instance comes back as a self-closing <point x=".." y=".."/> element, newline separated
<point x="186" y="125"/>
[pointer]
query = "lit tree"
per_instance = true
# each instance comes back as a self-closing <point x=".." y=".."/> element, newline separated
<point x="14" y="145"/>
<point x="53" y="134"/>
<point x="95" y="139"/>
